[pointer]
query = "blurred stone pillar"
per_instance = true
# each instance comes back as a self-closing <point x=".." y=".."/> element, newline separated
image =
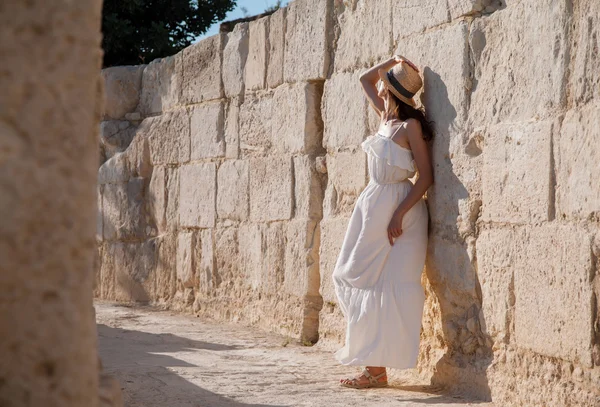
<point x="49" y="114"/>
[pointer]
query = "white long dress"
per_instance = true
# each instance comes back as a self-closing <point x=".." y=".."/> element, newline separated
<point x="378" y="286"/>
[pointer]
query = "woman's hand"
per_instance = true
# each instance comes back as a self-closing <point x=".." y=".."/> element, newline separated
<point x="394" y="229"/>
<point x="400" y="59"/>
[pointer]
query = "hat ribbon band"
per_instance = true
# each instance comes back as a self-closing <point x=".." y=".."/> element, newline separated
<point x="401" y="89"/>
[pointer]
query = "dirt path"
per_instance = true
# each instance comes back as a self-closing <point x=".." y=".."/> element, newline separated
<point x="170" y="360"/>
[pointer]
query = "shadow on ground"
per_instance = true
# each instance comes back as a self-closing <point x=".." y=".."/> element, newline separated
<point x="442" y="395"/>
<point x="150" y="352"/>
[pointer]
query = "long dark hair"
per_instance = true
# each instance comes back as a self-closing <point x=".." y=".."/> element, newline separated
<point x="405" y="112"/>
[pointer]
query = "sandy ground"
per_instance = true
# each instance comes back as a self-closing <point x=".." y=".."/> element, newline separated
<point x="166" y="359"/>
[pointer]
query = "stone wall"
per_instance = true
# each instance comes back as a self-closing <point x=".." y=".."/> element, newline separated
<point x="215" y="205"/>
<point x="233" y="197"/>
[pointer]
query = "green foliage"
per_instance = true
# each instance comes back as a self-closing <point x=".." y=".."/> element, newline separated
<point x="138" y="31"/>
<point x="274" y="7"/>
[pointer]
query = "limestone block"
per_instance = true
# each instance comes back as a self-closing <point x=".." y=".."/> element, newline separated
<point x="206" y="131"/>
<point x="562" y="267"/>
<point x="255" y="122"/>
<point x="134" y="271"/>
<point x="307" y="39"/>
<point x="235" y="54"/>
<point x="169" y="138"/>
<point x="124" y="214"/>
<point x="347" y="174"/>
<point x="109" y="129"/>
<point x="413" y="16"/>
<point x="332" y="326"/>
<point x="121" y="89"/>
<point x="201" y="70"/>
<point x="133" y="219"/>
<point x="273" y="265"/>
<point x="115" y="136"/>
<point x="161" y="85"/>
<point x="302" y="258"/>
<point x="506" y="48"/>
<point x="112" y="196"/>
<point x="251" y="254"/>
<point x="577" y="164"/>
<point x="451" y="273"/>
<point x="107" y="272"/>
<point x="197" y="195"/>
<point x="455" y="197"/>
<point x="516" y="172"/>
<point x="276" y="48"/>
<point x="166" y="266"/>
<point x="344" y="108"/>
<point x="171" y="206"/>
<point x="373" y="120"/>
<point x="226" y="255"/>
<point x="232" y="193"/>
<point x="443" y="59"/>
<point x="308" y="191"/>
<point x="364" y="35"/>
<point x="232" y="134"/>
<point x="138" y="152"/>
<point x="271" y="195"/>
<point x="459" y="8"/>
<point x="333" y="231"/>
<point x="133" y="117"/>
<point x="163" y="197"/>
<point x="206" y="266"/>
<point x="498" y="253"/>
<point x="330" y="200"/>
<point x="255" y="71"/>
<point x="296" y="118"/>
<point x="115" y="170"/>
<point x="186" y="250"/>
<point x="585" y="70"/>
<point x="157" y="198"/>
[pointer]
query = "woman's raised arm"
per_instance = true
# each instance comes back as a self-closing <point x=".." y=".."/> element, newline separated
<point x="368" y="80"/>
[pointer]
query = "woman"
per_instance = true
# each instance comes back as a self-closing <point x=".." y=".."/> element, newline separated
<point x="377" y="276"/>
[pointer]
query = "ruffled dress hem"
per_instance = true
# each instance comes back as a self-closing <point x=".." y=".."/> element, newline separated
<point x="379" y="348"/>
<point x="370" y="362"/>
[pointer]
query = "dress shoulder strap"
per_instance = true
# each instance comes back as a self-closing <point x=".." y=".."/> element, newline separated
<point x="396" y="131"/>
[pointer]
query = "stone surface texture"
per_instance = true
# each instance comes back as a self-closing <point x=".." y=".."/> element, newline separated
<point x="51" y="105"/>
<point x="123" y="85"/>
<point x="235" y="55"/>
<point x="234" y="175"/>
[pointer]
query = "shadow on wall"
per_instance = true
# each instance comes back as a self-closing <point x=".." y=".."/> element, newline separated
<point x="135" y="262"/>
<point x="128" y="256"/>
<point x="451" y="262"/>
<point x="134" y="352"/>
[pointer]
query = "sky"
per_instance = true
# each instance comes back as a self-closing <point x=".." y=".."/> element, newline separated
<point x="254" y="7"/>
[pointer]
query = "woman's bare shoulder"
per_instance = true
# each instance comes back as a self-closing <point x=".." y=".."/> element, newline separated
<point x="412" y="123"/>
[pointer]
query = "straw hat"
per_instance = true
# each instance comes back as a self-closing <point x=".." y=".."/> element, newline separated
<point x="403" y="81"/>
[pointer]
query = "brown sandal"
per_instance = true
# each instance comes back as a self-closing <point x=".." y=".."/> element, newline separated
<point x="373" y="381"/>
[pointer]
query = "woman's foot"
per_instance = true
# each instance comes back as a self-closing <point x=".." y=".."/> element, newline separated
<point x="371" y="377"/>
